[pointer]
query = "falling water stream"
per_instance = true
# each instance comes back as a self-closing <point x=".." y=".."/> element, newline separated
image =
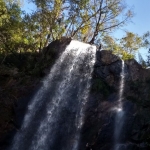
<point x="119" y="119"/>
<point x="55" y="115"/>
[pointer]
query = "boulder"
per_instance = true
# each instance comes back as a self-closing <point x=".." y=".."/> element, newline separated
<point x="99" y="126"/>
<point x="106" y="57"/>
<point x="57" y="46"/>
<point x="136" y="71"/>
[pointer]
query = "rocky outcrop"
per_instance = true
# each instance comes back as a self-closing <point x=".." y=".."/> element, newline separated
<point x="56" y="46"/>
<point x="5" y="71"/>
<point x="99" y="123"/>
<point x="19" y="79"/>
<point x="136" y="71"/>
<point x="106" y="57"/>
<point x="98" y="130"/>
<point x="108" y="63"/>
<point x="51" y="53"/>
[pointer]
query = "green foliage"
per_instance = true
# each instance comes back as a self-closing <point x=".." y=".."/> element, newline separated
<point x="125" y="47"/>
<point x="146" y="39"/>
<point x="86" y="20"/>
<point x="13" y="36"/>
<point x="131" y="42"/>
<point x="146" y="44"/>
<point x="3" y="13"/>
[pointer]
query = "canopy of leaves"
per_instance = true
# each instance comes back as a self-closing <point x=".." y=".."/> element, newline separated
<point x="87" y="20"/>
<point x="125" y="47"/>
<point x="12" y="36"/>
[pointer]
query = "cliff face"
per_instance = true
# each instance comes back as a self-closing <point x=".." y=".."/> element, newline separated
<point x="20" y="76"/>
<point x="98" y="129"/>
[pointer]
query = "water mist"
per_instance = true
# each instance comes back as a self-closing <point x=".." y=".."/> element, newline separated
<point x="119" y="118"/>
<point x="55" y="115"/>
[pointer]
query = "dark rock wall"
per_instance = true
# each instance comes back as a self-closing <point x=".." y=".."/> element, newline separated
<point x="18" y="84"/>
<point x="98" y="130"/>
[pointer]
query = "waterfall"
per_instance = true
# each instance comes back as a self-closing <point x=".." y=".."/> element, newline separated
<point x="55" y="115"/>
<point x="119" y="119"/>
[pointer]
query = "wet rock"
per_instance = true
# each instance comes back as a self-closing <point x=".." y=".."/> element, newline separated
<point x="106" y="57"/>
<point x="57" y="46"/>
<point x="100" y="114"/>
<point x="8" y="72"/>
<point x="135" y="70"/>
<point x="45" y="71"/>
<point x="99" y="125"/>
<point x="110" y="79"/>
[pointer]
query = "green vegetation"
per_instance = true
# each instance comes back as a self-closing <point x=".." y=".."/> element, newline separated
<point x="125" y="47"/>
<point x="87" y="20"/>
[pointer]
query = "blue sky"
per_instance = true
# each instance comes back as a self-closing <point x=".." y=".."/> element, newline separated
<point x="28" y="7"/>
<point x="140" y="22"/>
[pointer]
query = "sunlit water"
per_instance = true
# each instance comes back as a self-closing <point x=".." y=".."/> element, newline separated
<point x="119" y="119"/>
<point x="55" y="115"/>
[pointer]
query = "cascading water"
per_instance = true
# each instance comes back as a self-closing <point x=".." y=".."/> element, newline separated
<point x="56" y="113"/>
<point x="119" y="120"/>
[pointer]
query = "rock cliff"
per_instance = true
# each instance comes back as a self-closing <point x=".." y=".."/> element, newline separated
<point x="98" y="128"/>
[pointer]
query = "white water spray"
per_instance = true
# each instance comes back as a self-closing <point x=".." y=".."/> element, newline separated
<point x="119" y="120"/>
<point x="56" y="113"/>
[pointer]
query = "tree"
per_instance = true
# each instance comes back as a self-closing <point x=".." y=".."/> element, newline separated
<point x="10" y="26"/>
<point x="3" y="12"/>
<point x="86" y="20"/>
<point x="13" y="38"/>
<point x="101" y="16"/>
<point x="131" y="42"/>
<point x="142" y="61"/>
<point x="125" y="47"/>
<point x="146" y="43"/>
<point x="46" y="21"/>
<point x="146" y="39"/>
<point x="148" y="58"/>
